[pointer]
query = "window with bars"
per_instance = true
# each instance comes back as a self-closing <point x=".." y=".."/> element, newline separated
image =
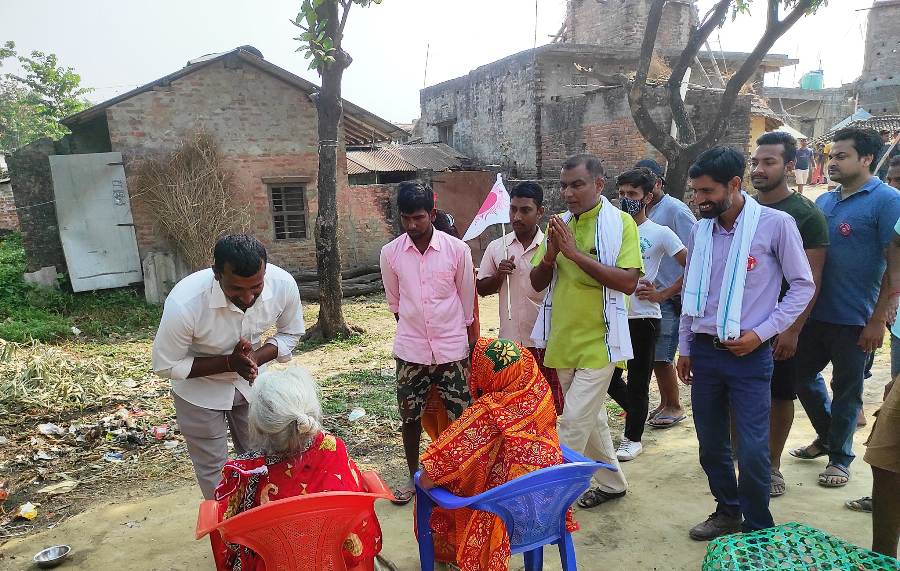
<point x="288" y="211"/>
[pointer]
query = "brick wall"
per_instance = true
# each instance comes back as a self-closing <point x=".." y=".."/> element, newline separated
<point x="265" y="128"/>
<point x="9" y="220"/>
<point x="880" y="80"/>
<point x="621" y="23"/>
<point x="492" y="110"/>
<point x="600" y="123"/>
<point x="29" y="169"/>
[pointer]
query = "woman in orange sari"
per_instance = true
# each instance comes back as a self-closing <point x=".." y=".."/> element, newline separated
<point x="509" y="431"/>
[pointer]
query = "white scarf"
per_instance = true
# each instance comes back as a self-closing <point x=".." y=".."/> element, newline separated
<point x="731" y="295"/>
<point x="607" y="243"/>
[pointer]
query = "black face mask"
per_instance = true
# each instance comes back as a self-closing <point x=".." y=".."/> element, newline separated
<point x="630" y="205"/>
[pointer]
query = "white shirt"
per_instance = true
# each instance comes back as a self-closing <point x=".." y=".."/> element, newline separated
<point x="525" y="301"/>
<point x="199" y="321"/>
<point x="656" y="242"/>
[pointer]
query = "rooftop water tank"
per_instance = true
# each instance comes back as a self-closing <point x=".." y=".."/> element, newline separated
<point x="813" y="79"/>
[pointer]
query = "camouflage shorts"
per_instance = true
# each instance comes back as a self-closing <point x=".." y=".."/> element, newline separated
<point x="414" y="382"/>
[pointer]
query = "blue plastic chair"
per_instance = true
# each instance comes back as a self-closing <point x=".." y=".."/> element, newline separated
<point x="533" y="508"/>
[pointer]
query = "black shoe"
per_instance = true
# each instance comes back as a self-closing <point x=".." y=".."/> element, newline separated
<point x="716" y="524"/>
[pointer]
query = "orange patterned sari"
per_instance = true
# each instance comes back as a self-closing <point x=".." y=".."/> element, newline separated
<point x="509" y="431"/>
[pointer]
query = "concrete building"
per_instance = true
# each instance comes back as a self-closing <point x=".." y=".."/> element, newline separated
<point x="265" y="124"/>
<point x="877" y="90"/>
<point x="529" y="110"/>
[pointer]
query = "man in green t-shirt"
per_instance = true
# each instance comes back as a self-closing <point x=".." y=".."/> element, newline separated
<point x="579" y="343"/>
<point x="772" y="160"/>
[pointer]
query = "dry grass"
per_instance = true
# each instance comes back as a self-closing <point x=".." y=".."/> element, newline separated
<point x="193" y="196"/>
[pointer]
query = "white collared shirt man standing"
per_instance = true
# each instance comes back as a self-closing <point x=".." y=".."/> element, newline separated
<point x="210" y="345"/>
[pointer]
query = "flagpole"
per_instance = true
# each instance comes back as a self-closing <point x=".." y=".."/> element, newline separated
<point x="506" y="257"/>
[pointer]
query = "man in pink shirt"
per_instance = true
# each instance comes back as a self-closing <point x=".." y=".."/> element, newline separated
<point x="429" y="284"/>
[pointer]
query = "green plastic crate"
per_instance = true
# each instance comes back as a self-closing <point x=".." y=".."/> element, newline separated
<point x="789" y="547"/>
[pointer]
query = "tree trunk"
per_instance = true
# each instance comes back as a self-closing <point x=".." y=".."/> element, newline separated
<point x="328" y="254"/>
<point x="676" y="175"/>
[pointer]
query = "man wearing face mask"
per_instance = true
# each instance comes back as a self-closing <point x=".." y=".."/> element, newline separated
<point x="737" y="256"/>
<point x="209" y="343"/>
<point x="656" y="242"/>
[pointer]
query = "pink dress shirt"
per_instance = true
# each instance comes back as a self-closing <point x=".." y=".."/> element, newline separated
<point x="433" y="294"/>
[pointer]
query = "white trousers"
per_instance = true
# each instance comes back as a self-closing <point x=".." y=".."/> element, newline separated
<point x="583" y="425"/>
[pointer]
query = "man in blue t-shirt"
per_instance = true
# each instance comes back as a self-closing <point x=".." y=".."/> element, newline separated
<point x="849" y="317"/>
<point x="803" y="164"/>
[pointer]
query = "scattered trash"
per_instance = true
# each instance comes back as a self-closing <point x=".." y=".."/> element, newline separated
<point x="51" y="429"/>
<point x="114" y="457"/>
<point x="131" y="524"/>
<point x="171" y="444"/>
<point x="159" y="432"/>
<point x="3" y="495"/>
<point x="4" y="440"/>
<point x="356" y="414"/>
<point x="27" y="511"/>
<point x="41" y="455"/>
<point x="58" y="488"/>
<point x="76" y="331"/>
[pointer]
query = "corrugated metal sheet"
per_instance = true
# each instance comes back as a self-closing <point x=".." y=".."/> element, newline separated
<point x="380" y="160"/>
<point x="354" y="167"/>
<point x="437" y="157"/>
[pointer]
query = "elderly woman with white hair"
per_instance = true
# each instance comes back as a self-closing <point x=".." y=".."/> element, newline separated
<point x="294" y="457"/>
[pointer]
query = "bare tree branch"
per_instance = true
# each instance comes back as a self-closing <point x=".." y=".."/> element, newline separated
<point x="637" y="90"/>
<point x="774" y="30"/>
<point x="345" y="4"/>
<point x="697" y="38"/>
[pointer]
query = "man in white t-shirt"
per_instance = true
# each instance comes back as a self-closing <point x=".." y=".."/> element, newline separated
<point x="657" y="242"/>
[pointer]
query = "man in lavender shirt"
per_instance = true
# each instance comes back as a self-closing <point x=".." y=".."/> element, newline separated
<point x="734" y="375"/>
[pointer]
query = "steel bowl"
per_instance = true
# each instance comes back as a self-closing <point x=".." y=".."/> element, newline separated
<point x="52" y="556"/>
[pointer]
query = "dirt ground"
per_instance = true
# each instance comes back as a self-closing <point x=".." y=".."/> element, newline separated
<point x="645" y="530"/>
<point x="139" y="516"/>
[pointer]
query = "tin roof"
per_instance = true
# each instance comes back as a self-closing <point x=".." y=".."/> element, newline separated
<point x="405" y="158"/>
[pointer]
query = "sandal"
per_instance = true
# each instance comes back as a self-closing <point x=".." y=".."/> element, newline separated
<point x="777" y="487"/>
<point x="404" y="495"/>
<point x="831" y="477"/>
<point x="805" y="452"/>
<point x="595" y="496"/>
<point x="863" y="504"/>
<point x="665" y="421"/>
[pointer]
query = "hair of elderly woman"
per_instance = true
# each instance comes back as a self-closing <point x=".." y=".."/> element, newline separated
<point x="285" y="413"/>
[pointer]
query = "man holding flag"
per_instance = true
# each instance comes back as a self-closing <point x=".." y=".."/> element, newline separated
<point x="591" y="261"/>
<point x="506" y="267"/>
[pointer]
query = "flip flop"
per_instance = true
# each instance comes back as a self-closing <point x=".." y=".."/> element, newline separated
<point x="803" y="452"/>
<point x="834" y="471"/>
<point x="655" y="421"/>
<point x="404" y="495"/>
<point x="863" y="504"/>
<point x="778" y="487"/>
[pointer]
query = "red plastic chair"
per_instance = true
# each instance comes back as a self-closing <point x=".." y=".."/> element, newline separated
<point x="302" y="532"/>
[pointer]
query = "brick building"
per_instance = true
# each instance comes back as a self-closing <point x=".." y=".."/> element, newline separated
<point x="265" y="123"/>
<point x="527" y="111"/>
<point x="879" y="84"/>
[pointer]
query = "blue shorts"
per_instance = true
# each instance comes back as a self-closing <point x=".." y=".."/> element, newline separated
<point x="667" y="343"/>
